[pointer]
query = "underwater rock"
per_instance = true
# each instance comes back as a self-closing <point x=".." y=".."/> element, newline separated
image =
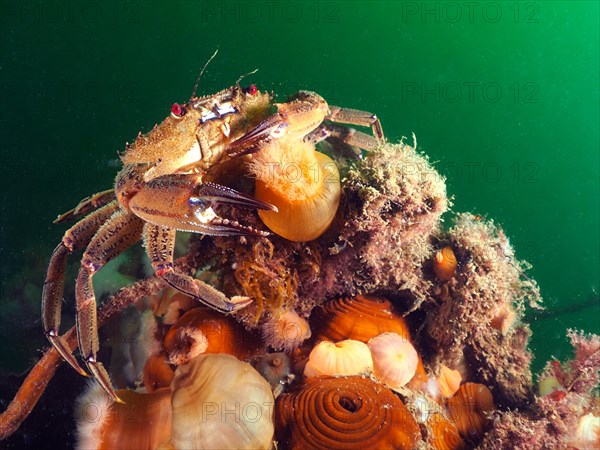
<point x="383" y="267"/>
<point x="488" y="280"/>
<point x="375" y="264"/>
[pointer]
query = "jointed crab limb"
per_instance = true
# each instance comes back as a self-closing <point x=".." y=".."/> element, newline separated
<point x="302" y="117"/>
<point x="356" y="117"/>
<point x="212" y="193"/>
<point x="75" y="238"/>
<point x="294" y="119"/>
<point x="347" y="135"/>
<point x="87" y="205"/>
<point x="182" y="202"/>
<point x="160" y="244"/>
<point x="38" y="378"/>
<point x="120" y="232"/>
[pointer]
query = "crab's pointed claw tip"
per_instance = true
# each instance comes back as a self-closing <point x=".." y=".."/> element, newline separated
<point x="240" y="302"/>
<point x="63" y="217"/>
<point x="222" y="195"/>
<point x="101" y="376"/>
<point x="60" y="345"/>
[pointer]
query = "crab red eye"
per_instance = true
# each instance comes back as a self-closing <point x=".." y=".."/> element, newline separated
<point x="177" y="110"/>
<point x="252" y="89"/>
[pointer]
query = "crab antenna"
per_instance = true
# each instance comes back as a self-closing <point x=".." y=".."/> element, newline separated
<point x="237" y="83"/>
<point x="201" y="72"/>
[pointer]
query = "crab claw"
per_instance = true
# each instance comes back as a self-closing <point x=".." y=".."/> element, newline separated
<point x="183" y="203"/>
<point x="217" y="226"/>
<point x="238" y="302"/>
<point x="212" y="193"/>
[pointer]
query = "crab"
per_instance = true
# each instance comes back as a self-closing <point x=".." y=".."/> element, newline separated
<point x="169" y="182"/>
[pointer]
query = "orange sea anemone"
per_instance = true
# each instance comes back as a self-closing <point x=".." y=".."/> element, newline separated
<point x="157" y="372"/>
<point x="360" y="318"/>
<point x="204" y="330"/>
<point x="304" y="185"/>
<point x="220" y="402"/>
<point x="469" y="409"/>
<point x="443" y="435"/>
<point x="343" y="413"/>
<point x="448" y="381"/>
<point x="445" y="263"/>
<point x="143" y="421"/>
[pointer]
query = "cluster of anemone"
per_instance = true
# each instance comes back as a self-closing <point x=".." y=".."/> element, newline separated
<point x="321" y="392"/>
<point x="365" y="303"/>
<point x="372" y="326"/>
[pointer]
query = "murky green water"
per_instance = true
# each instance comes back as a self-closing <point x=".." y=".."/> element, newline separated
<point x="502" y="95"/>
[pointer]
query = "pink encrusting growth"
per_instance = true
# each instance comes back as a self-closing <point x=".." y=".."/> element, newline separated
<point x="557" y="421"/>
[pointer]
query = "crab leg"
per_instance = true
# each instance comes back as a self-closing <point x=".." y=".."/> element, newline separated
<point x="347" y="135"/>
<point x="74" y="238"/>
<point x="120" y="232"/>
<point x="160" y="244"/>
<point x="87" y="205"/>
<point x="356" y="117"/>
<point x="294" y="119"/>
<point x="302" y="116"/>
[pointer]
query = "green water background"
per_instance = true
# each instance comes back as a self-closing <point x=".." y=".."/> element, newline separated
<point x="503" y="97"/>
